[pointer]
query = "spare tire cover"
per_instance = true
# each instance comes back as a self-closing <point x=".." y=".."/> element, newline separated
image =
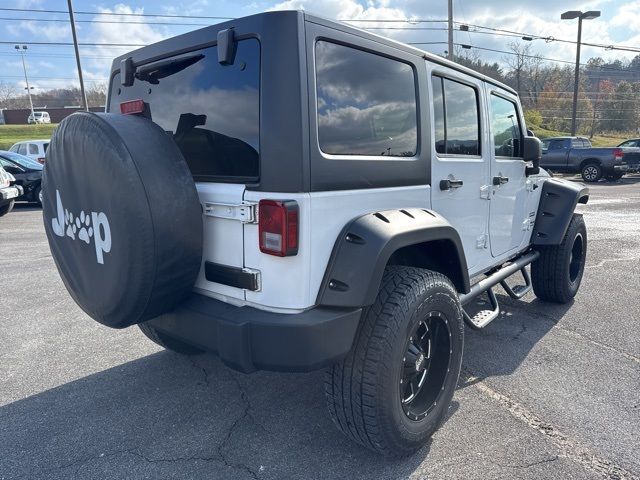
<point x="122" y="217"/>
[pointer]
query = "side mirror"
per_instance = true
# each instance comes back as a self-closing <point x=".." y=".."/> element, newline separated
<point x="531" y="152"/>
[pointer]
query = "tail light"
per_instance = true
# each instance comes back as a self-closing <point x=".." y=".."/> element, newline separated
<point x="278" y="227"/>
<point x="618" y="153"/>
<point x="132" y="107"/>
<point x="41" y="160"/>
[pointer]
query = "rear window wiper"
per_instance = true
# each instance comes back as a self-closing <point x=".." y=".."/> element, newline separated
<point x="153" y="72"/>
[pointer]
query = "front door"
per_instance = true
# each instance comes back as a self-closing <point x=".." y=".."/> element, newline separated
<point x="460" y="167"/>
<point x="555" y="154"/>
<point x="508" y="217"/>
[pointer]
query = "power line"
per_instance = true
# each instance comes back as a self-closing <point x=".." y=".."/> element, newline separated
<point x="550" y="38"/>
<point x="64" y="12"/>
<point x="60" y="20"/>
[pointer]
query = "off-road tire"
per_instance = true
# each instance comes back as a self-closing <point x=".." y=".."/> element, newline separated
<point x="363" y="390"/>
<point x="6" y="208"/>
<point x="167" y="341"/>
<point x="557" y="273"/>
<point x="591" y="172"/>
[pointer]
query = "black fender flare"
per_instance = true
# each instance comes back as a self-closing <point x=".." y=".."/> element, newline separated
<point x="558" y="201"/>
<point x="364" y="247"/>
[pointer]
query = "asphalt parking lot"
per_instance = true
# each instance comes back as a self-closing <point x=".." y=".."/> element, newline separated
<point x="547" y="391"/>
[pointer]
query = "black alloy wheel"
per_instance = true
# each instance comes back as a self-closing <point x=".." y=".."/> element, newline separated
<point x="425" y="365"/>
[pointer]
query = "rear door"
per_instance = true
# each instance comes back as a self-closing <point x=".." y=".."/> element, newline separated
<point x="508" y="217"/>
<point x="460" y="166"/>
<point x="212" y="112"/>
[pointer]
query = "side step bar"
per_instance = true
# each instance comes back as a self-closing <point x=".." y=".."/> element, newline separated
<point x="484" y="317"/>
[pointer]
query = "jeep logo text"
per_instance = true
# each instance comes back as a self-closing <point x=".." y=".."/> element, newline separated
<point x="84" y="226"/>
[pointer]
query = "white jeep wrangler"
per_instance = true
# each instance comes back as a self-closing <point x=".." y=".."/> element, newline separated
<point x="294" y="194"/>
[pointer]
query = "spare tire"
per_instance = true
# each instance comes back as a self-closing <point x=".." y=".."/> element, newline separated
<point x="122" y="217"/>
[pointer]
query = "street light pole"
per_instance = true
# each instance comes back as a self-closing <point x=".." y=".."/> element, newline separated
<point x="26" y="79"/>
<point x="450" y="33"/>
<point x="570" y="15"/>
<point x="77" y="50"/>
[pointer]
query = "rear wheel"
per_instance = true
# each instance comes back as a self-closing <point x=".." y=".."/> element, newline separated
<point x="614" y="176"/>
<point x="393" y="390"/>
<point x="557" y="273"/>
<point x="6" y="208"/>
<point x="591" y="172"/>
<point x="168" y="342"/>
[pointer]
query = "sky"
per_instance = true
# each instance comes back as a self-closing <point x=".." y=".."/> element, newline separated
<point x="51" y="66"/>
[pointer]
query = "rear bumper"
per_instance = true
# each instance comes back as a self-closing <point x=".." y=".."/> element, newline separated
<point x="621" y="168"/>
<point x="248" y="339"/>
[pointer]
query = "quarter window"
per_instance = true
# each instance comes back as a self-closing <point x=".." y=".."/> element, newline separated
<point x="366" y="103"/>
<point x="505" y="127"/>
<point x="456" y="119"/>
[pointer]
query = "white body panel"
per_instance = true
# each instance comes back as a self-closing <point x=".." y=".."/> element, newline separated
<point x="294" y="282"/>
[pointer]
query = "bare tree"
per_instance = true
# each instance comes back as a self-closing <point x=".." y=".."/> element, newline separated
<point x="518" y="62"/>
<point x="8" y="95"/>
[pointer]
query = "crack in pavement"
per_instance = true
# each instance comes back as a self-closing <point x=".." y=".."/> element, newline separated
<point x="568" y="447"/>
<point x="246" y="413"/>
<point x="525" y="465"/>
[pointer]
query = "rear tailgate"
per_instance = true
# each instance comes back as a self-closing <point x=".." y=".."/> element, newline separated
<point x="212" y="112"/>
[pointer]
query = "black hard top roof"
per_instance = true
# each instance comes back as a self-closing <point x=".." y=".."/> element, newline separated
<point x="211" y="32"/>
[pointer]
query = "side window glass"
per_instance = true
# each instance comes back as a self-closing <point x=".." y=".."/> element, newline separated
<point x="461" y="122"/>
<point x="505" y="127"/>
<point x="556" y="145"/>
<point x="366" y="103"/>
<point x="22" y="149"/>
<point x="33" y="149"/>
<point x="438" y="115"/>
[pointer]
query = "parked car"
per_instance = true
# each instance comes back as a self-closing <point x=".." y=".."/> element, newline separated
<point x="332" y="214"/>
<point x="8" y="191"/>
<point x="34" y="149"/>
<point x="632" y="153"/>
<point x="576" y="155"/>
<point x="39" y="117"/>
<point x="28" y="174"/>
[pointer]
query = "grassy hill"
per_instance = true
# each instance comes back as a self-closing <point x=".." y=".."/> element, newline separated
<point x="604" y="140"/>
<point x="10" y="134"/>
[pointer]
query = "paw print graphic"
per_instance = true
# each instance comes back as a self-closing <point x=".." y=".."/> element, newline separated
<point x="83" y="223"/>
<point x="71" y="228"/>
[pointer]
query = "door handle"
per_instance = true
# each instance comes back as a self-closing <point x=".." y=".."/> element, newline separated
<point x="448" y="184"/>
<point x="500" y="180"/>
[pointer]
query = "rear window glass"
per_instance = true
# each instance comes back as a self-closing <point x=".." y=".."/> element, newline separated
<point x="366" y="103"/>
<point x="211" y="110"/>
<point x="33" y="149"/>
<point x="456" y="119"/>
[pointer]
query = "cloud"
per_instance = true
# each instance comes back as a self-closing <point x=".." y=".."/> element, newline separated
<point x="619" y="27"/>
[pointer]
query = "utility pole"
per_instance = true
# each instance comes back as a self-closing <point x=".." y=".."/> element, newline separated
<point x="570" y="15"/>
<point x="26" y="79"/>
<point x="450" y="42"/>
<point x="75" y="46"/>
